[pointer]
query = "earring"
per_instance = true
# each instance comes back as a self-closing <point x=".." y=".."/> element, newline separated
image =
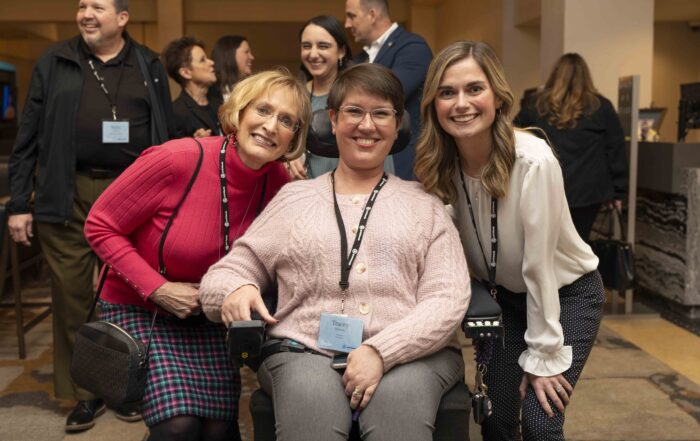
<point x="340" y="63"/>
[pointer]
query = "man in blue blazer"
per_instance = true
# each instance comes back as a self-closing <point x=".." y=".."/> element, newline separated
<point x="405" y="53"/>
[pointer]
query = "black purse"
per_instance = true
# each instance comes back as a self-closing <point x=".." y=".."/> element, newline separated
<point x="107" y="360"/>
<point x="616" y="257"/>
<point x="483" y="324"/>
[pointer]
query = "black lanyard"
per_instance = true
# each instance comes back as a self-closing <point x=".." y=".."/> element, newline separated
<point x="491" y="268"/>
<point x="224" y="194"/>
<point x="100" y="81"/>
<point x="346" y="260"/>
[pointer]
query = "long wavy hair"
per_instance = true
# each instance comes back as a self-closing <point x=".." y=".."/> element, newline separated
<point x="436" y="150"/>
<point x="568" y="94"/>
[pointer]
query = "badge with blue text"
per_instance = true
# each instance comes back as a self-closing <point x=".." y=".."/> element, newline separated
<point x="339" y="333"/>
<point x="115" y="131"/>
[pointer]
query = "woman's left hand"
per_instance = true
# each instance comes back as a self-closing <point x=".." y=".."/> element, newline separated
<point x="361" y="378"/>
<point x="556" y="388"/>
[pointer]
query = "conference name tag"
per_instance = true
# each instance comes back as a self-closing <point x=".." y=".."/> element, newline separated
<point x="115" y="131"/>
<point x="339" y="333"/>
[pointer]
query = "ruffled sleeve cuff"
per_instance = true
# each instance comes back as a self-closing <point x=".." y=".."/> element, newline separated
<point x="546" y="364"/>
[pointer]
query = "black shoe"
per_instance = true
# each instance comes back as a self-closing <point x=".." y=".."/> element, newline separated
<point x="128" y="412"/>
<point x="83" y="415"/>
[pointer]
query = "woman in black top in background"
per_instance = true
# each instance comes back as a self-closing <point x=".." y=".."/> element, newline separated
<point x="196" y="110"/>
<point x="587" y="136"/>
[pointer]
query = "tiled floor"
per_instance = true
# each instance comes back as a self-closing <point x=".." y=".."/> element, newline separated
<point x="642" y="383"/>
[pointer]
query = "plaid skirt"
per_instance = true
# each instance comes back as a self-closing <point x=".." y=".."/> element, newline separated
<point x="189" y="371"/>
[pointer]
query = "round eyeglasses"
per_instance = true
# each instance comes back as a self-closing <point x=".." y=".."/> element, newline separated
<point x="380" y="117"/>
<point x="285" y="121"/>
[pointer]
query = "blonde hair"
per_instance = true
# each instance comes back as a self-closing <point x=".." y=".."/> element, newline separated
<point x="256" y="86"/>
<point x="569" y="92"/>
<point x="436" y="150"/>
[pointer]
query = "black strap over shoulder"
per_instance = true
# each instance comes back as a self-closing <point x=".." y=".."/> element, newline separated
<point x="161" y="262"/>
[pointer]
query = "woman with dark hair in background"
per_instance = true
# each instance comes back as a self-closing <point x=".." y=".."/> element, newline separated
<point x="508" y="194"/>
<point x="325" y="51"/>
<point x="233" y="61"/>
<point x="196" y="111"/>
<point x="587" y="135"/>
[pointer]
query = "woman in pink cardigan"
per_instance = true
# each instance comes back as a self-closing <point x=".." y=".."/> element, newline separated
<point x="366" y="264"/>
<point x="192" y="388"/>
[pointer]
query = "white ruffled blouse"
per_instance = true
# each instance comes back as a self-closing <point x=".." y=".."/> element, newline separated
<point x="539" y="250"/>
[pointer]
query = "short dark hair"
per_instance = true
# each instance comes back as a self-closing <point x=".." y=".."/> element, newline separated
<point x="177" y="54"/>
<point x="372" y="79"/>
<point x="224" y="56"/>
<point x="121" y="5"/>
<point x="381" y="5"/>
<point x="332" y="26"/>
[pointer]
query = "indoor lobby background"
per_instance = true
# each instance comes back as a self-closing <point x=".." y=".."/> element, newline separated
<point x="659" y="40"/>
<point x="643" y="378"/>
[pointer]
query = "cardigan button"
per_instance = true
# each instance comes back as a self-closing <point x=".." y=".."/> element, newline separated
<point x="356" y="199"/>
<point x="364" y="308"/>
<point x="361" y="268"/>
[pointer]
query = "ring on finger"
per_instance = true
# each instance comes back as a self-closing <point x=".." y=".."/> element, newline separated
<point x="558" y="389"/>
<point x="357" y="393"/>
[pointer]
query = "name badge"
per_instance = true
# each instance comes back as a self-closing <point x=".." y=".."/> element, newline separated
<point x="115" y="132"/>
<point x="339" y="333"/>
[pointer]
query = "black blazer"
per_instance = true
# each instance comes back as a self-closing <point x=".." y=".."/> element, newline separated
<point x="593" y="155"/>
<point x="189" y="116"/>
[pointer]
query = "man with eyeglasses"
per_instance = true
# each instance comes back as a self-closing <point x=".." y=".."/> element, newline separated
<point x="95" y="102"/>
<point x="405" y="53"/>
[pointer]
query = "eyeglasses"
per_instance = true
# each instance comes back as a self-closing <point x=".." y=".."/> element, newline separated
<point x="380" y="117"/>
<point x="287" y="122"/>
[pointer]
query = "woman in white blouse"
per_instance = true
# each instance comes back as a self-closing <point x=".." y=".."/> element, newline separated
<point x="507" y="190"/>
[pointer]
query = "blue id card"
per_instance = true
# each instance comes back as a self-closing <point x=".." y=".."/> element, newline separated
<point x="339" y="333"/>
<point x="115" y="131"/>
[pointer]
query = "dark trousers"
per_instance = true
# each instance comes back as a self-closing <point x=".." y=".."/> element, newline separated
<point x="581" y="312"/>
<point x="583" y="218"/>
<point x="72" y="265"/>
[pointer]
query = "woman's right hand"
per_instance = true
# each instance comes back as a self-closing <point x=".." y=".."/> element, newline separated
<point x="240" y="303"/>
<point x="179" y="299"/>
<point x="297" y="169"/>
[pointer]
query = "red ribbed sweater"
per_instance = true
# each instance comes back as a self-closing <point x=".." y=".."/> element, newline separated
<point x="125" y="225"/>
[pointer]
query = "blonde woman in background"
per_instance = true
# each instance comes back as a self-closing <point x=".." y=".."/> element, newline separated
<point x="588" y="137"/>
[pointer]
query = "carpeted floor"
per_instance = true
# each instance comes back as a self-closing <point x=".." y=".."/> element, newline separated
<point x="625" y="394"/>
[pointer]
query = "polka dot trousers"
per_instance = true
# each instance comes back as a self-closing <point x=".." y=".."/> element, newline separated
<point x="581" y="312"/>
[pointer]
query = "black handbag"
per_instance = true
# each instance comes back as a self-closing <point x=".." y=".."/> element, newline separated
<point x="616" y="257"/>
<point x="107" y="360"/>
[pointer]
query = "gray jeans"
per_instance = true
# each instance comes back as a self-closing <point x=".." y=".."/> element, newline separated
<point x="311" y="405"/>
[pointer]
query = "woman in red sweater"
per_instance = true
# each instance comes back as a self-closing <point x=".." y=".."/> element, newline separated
<point x="192" y="391"/>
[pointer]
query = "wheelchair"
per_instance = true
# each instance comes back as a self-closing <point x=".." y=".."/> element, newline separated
<point x="452" y="418"/>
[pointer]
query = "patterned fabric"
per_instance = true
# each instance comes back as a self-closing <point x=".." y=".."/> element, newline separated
<point x="189" y="370"/>
<point x="581" y="312"/>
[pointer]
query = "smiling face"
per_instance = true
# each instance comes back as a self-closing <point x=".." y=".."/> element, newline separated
<point x="201" y="68"/>
<point x="244" y="59"/>
<point x="365" y="145"/>
<point x="465" y="103"/>
<point x="319" y="52"/>
<point x="266" y="128"/>
<point x="99" y="22"/>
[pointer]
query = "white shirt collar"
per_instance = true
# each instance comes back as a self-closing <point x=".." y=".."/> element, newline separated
<point x="373" y="49"/>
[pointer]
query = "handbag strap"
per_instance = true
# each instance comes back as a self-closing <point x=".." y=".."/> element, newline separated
<point x="612" y="213"/>
<point x="161" y="262"/>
